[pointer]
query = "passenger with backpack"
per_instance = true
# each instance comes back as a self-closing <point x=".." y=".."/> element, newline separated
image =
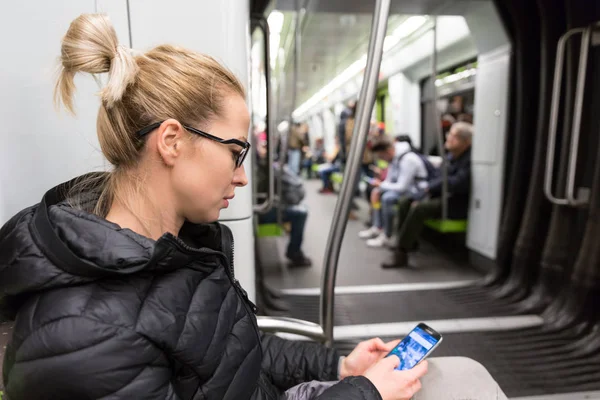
<point x="407" y="174"/>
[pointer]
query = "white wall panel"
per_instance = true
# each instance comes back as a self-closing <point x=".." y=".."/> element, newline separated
<point x="41" y="147"/>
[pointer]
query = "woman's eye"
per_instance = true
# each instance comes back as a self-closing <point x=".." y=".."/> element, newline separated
<point x="235" y="155"/>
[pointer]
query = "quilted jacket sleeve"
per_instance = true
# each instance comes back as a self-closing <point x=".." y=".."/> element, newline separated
<point x="288" y="363"/>
<point x="352" y="388"/>
<point x="90" y="360"/>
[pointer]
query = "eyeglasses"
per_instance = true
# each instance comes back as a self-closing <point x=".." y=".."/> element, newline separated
<point x="239" y="157"/>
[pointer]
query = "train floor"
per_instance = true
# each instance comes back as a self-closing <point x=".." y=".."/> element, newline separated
<point x="528" y="360"/>
<point x="358" y="264"/>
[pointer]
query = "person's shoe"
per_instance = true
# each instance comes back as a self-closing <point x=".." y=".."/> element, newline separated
<point x="370" y="233"/>
<point x="325" y="190"/>
<point x="380" y="241"/>
<point x="398" y="259"/>
<point x="299" y="260"/>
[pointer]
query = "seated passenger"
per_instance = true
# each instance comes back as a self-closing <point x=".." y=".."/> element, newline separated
<point x="407" y="174"/>
<point x="333" y="164"/>
<point x="414" y="210"/>
<point x="123" y="289"/>
<point x="293" y="211"/>
<point x="314" y="156"/>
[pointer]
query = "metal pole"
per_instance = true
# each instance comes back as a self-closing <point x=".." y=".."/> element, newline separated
<point x="283" y="148"/>
<point x="266" y="206"/>
<point x="437" y="123"/>
<point x="357" y="148"/>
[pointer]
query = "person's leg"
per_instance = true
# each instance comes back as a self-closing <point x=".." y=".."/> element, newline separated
<point x="389" y="202"/>
<point x="377" y="218"/>
<point x="415" y="222"/>
<point x="412" y="216"/>
<point x="297" y="216"/>
<point x="308" y="163"/>
<point x="375" y="229"/>
<point x="368" y="192"/>
<point x="403" y="209"/>
<point x="458" y="378"/>
<point x="325" y="174"/>
<point x="386" y="214"/>
<point x="294" y="160"/>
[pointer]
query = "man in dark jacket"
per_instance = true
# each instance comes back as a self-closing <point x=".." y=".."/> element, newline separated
<point x="103" y="312"/>
<point x="416" y="209"/>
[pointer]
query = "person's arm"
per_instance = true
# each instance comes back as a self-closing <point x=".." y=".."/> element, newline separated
<point x="458" y="183"/>
<point x="409" y="168"/>
<point x="81" y="358"/>
<point x="289" y="363"/>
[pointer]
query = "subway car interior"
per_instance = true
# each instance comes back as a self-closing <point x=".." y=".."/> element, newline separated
<point x="507" y="270"/>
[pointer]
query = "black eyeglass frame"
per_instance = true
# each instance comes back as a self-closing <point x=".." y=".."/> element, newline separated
<point x="239" y="157"/>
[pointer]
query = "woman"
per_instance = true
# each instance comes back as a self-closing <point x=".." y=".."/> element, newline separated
<point x="120" y="285"/>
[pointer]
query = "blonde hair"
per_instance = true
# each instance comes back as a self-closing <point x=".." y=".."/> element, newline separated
<point x="165" y="82"/>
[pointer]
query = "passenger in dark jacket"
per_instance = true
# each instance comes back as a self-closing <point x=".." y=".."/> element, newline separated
<point x="121" y="287"/>
<point x="459" y="185"/>
<point x="414" y="210"/>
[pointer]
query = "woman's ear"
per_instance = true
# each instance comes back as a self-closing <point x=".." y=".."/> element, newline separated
<point x="169" y="140"/>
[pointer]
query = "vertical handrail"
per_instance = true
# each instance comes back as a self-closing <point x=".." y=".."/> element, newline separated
<point x="283" y="143"/>
<point x="357" y="147"/>
<point x="554" y="111"/>
<point x="437" y="122"/>
<point x="266" y="206"/>
<point x="586" y="40"/>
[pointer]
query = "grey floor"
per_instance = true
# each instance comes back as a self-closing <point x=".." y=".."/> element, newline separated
<point x="358" y="264"/>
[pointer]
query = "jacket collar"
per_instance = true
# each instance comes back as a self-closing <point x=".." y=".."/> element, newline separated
<point x="83" y="244"/>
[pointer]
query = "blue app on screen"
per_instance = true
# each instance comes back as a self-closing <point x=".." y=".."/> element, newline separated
<point x="413" y="348"/>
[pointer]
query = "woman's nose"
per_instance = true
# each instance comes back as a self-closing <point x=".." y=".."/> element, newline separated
<point x="239" y="177"/>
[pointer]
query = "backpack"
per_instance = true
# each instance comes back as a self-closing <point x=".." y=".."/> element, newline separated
<point x="292" y="191"/>
<point x="432" y="171"/>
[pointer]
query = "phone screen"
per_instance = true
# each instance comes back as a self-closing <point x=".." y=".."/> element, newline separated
<point x="416" y="346"/>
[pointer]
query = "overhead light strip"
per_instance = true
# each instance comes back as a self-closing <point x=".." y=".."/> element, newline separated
<point x="407" y="28"/>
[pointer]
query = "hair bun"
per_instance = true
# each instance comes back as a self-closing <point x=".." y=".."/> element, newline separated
<point x="90" y="45"/>
<point x="123" y="69"/>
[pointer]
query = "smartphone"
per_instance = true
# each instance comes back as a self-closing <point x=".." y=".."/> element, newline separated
<point x="416" y="346"/>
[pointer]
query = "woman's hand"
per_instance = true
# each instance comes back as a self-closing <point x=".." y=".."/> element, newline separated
<point x="393" y="384"/>
<point x="364" y="355"/>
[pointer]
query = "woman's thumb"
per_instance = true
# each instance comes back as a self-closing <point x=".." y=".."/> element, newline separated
<point x="392" y="360"/>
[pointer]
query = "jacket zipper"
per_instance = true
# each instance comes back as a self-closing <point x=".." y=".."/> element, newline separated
<point x="228" y="246"/>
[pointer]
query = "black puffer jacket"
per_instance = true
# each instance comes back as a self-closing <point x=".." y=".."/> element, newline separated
<point x="104" y="313"/>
